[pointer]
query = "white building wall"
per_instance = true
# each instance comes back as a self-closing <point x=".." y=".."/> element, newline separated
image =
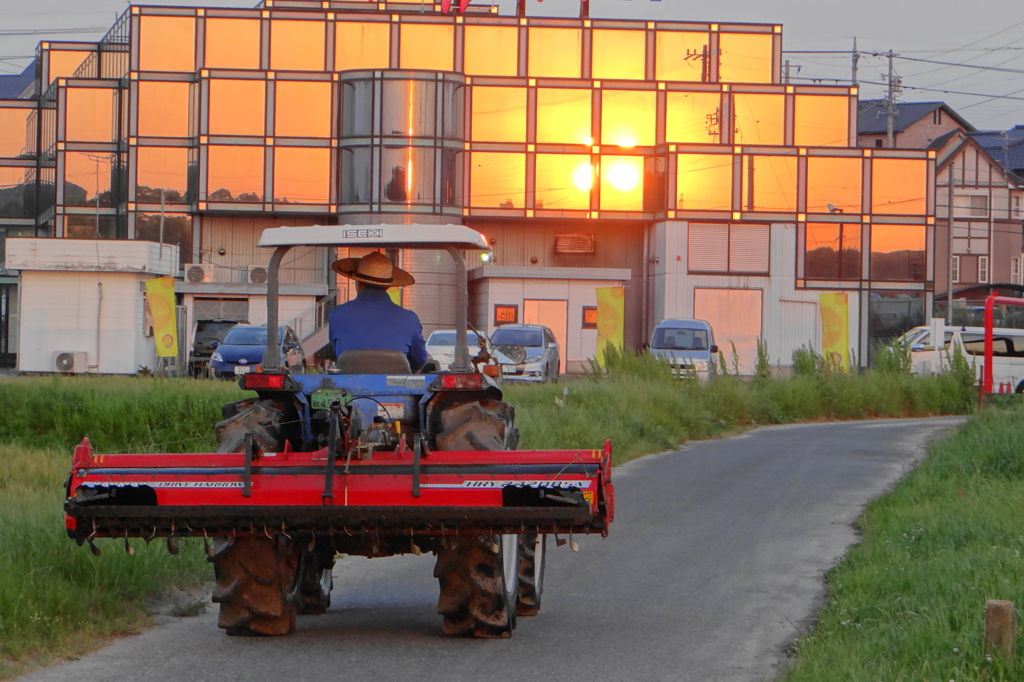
<point x="790" y="317"/>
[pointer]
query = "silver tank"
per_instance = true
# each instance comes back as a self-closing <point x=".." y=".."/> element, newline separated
<point x="434" y="294"/>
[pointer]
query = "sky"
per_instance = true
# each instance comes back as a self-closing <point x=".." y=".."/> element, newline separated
<point x="984" y="33"/>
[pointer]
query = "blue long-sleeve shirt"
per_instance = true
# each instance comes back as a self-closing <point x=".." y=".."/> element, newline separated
<point x="371" y="321"/>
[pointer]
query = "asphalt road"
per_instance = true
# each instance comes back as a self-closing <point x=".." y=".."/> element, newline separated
<point x="713" y="566"/>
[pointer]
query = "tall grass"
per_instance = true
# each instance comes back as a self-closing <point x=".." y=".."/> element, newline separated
<point x="908" y="602"/>
<point x="641" y="407"/>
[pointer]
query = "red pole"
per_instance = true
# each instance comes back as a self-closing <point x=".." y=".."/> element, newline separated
<point x="990" y="303"/>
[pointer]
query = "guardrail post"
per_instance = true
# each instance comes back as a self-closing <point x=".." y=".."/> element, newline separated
<point x="1000" y="627"/>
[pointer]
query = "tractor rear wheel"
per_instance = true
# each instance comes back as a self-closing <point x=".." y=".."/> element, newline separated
<point x="256" y="581"/>
<point x="478" y="425"/>
<point x="315" y="581"/>
<point x="532" y="554"/>
<point x="479" y="584"/>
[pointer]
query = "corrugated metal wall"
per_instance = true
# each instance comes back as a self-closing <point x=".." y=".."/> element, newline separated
<point x="238" y="235"/>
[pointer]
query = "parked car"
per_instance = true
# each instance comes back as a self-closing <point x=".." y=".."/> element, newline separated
<point x="441" y="346"/>
<point x="242" y="350"/>
<point x="208" y="334"/>
<point x="1007" y="352"/>
<point x="542" y="361"/>
<point x="688" y="344"/>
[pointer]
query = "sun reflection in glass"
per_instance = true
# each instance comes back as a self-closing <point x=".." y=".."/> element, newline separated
<point x="623" y="176"/>
<point x="583" y="177"/>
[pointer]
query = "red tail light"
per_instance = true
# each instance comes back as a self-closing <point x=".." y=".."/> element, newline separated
<point x="462" y="382"/>
<point x="255" y="382"/>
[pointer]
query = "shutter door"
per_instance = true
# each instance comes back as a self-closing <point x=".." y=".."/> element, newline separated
<point x="748" y="248"/>
<point x="708" y="248"/>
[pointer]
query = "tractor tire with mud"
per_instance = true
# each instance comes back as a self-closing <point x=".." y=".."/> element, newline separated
<point x="478" y="425"/>
<point x="532" y="556"/>
<point x="261" y="418"/>
<point x="479" y="584"/>
<point x="256" y="583"/>
<point x="315" y="580"/>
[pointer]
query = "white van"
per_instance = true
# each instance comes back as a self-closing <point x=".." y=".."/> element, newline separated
<point x="1007" y="352"/>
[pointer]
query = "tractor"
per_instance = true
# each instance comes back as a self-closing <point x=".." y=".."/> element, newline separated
<point x="367" y="459"/>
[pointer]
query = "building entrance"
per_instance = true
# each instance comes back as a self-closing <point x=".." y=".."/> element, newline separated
<point x="553" y="315"/>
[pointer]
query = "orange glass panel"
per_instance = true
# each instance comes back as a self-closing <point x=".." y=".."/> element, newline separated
<point x="90" y="227"/>
<point x="232" y="43"/>
<point x="564" y="181"/>
<point x="628" y="117"/>
<point x="234" y="173"/>
<point x="427" y="46"/>
<point x="769" y="183"/>
<point x="835" y="181"/>
<point x="704" y="182"/>
<point x="17" y="195"/>
<point x="491" y="51"/>
<point x="760" y="119"/>
<point x="745" y="58"/>
<point x="681" y="56"/>
<point x="63" y="63"/>
<point x="899" y="186"/>
<point x="822" y="121"/>
<point x="563" y="116"/>
<point x="898" y="253"/>
<point x="693" y="117"/>
<point x="555" y="52"/>
<point x="297" y="45"/>
<point x="86" y="175"/>
<point x="620" y="55"/>
<point x="302" y="109"/>
<point x="499" y="114"/>
<point x="362" y="45"/>
<point x="163" y="109"/>
<point x="90" y="115"/>
<point x="167" y="44"/>
<point x="622" y="183"/>
<point x="237" y="107"/>
<point x="13" y="131"/>
<point x="161" y="169"/>
<point x="302" y="175"/>
<point x="497" y="180"/>
<point x="832" y="251"/>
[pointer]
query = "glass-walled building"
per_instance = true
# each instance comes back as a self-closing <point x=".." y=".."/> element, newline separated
<point x="667" y="158"/>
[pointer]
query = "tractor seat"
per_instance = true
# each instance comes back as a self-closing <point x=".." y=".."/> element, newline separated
<point x="373" y="362"/>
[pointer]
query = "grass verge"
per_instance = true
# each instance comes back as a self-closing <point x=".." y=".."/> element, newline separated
<point x="907" y="603"/>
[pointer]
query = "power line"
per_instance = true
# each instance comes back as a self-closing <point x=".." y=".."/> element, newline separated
<point x="53" y="31"/>
<point x="966" y="66"/>
<point x="951" y="92"/>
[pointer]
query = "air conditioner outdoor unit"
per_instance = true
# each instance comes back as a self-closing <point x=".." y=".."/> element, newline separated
<point x="70" y="361"/>
<point x="257" y="274"/>
<point x="197" y="273"/>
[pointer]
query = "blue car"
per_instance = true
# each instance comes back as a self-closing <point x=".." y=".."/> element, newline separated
<point x="241" y="351"/>
<point x="688" y="344"/>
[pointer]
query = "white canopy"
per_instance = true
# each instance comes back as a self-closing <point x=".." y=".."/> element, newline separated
<point x="377" y="236"/>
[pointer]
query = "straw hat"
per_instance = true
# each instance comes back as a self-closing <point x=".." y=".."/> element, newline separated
<point x="373" y="268"/>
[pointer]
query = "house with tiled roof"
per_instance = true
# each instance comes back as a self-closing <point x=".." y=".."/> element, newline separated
<point x="915" y="125"/>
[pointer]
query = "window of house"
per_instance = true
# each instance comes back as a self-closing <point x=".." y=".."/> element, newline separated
<point x="87" y="177"/>
<point x="745" y="58"/>
<point x="693" y="117"/>
<point x="821" y="121"/>
<point x="897" y="253"/>
<point x="1016" y="207"/>
<point x="769" y="183"/>
<point x="555" y="52"/>
<point x="163" y="109"/>
<point x="628" y="117"/>
<point x="361" y="45"/>
<point x="302" y="109"/>
<point x="497" y="180"/>
<point x="13" y="129"/>
<point x="297" y="45"/>
<point x="955" y="275"/>
<point x="234" y="173"/>
<point x="618" y="55"/>
<point x="982" y="269"/>
<point x="161" y="171"/>
<point x="899" y="186"/>
<point x="491" y="51"/>
<point x="978" y="206"/>
<point x="563" y="116"/>
<point x="232" y="43"/>
<point x="427" y="46"/>
<point x="563" y="181"/>
<point x="704" y="182"/>
<point x="90" y="114"/>
<point x="622" y="183"/>
<point x="167" y="44"/>
<point x="878" y="142"/>
<point x="728" y="249"/>
<point x="237" y="107"/>
<point x="681" y="56"/>
<point x="302" y="175"/>
<point x="499" y="114"/>
<point x="760" y="119"/>
<point x="832" y="251"/>
<point x="1015" y="270"/>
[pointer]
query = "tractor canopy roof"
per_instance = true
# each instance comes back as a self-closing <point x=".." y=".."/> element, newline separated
<point x="377" y="236"/>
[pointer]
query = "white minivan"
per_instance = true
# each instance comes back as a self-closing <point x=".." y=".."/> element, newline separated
<point x="1007" y="352"/>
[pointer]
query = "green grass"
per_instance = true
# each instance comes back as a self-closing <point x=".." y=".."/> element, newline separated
<point x="642" y="409"/>
<point x="907" y="603"/>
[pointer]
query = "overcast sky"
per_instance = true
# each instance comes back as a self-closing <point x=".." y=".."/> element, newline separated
<point x="981" y="32"/>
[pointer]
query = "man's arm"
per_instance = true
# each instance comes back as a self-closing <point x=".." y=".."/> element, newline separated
<point x="417" y="349"/>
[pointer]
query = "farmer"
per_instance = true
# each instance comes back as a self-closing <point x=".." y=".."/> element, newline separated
<point x="371" y="321"/>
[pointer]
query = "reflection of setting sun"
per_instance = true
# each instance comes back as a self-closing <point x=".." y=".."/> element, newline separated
<point x="589" y="141"/>
<point x="583" y="177"/>
<point x="627" y="142"/>
<point x="624" y="176"/>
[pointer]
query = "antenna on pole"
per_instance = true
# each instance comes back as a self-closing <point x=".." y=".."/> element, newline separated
<point x="890" y="99"/>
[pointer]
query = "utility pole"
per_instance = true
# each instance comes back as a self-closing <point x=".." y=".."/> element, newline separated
<point x="161" y="224"/>
<point x="584" y="9"/>
<point x="520" y="8"/>
<point x="785" y="72"/>
<point x="949" y="272"/>
<point x="890" y="100"/>
<point x="855" y="57"/>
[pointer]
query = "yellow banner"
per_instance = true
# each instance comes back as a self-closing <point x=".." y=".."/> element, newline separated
<point x="160" y="295"/>
<point x="610" y="316"/>
<point x="835" y="328"/>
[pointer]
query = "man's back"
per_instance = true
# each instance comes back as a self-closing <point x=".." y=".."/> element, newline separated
<point x="372" y="321"/>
